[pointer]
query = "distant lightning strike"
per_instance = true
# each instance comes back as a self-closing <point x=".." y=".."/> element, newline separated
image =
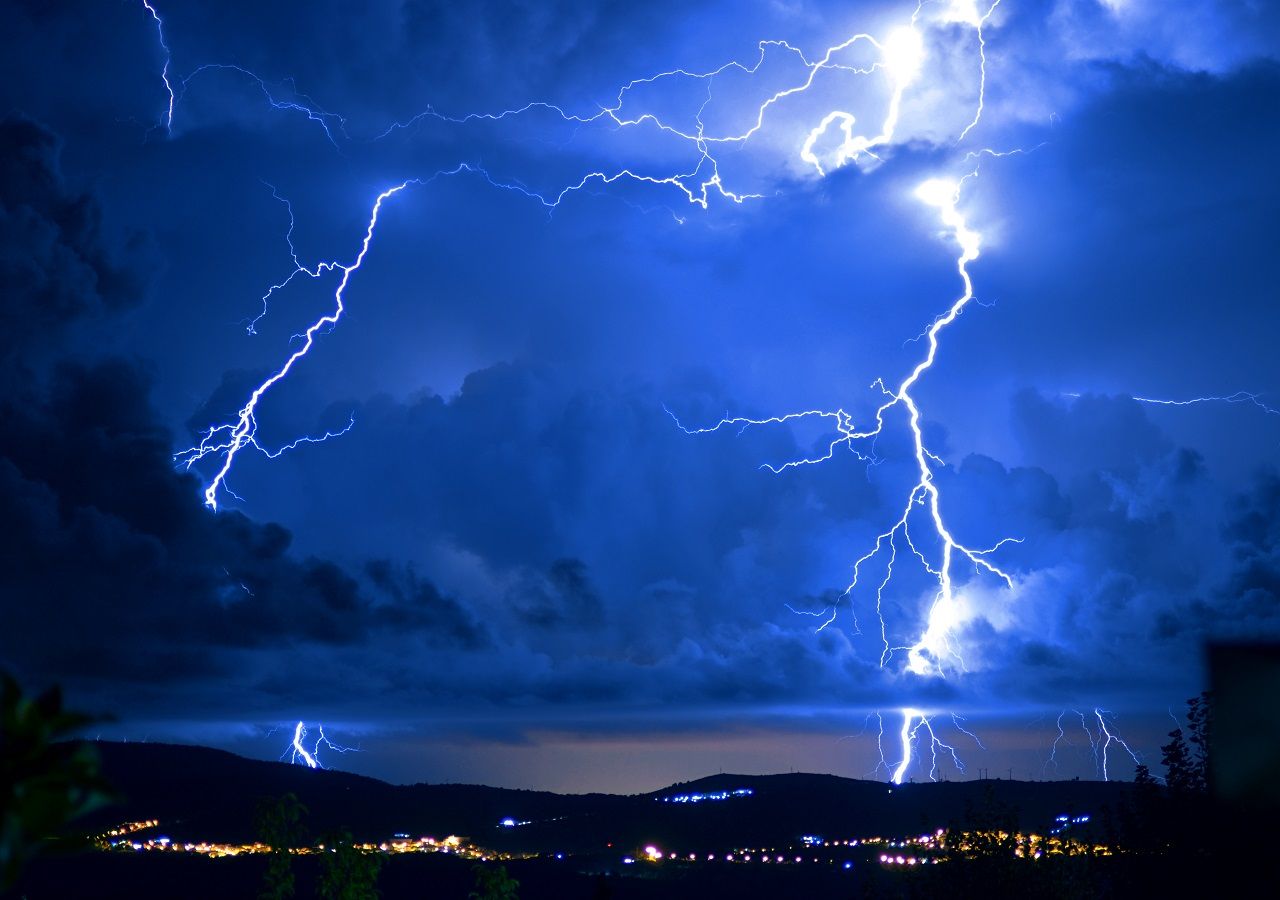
<point x="1108" y="738"/>
<point x="1099" y="742"/>
<point x="916" y="725"/>
<point x="298" y="753"/>
<point x="906" y="741"/>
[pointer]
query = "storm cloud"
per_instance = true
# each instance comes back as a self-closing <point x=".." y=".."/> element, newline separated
<point x="515" y="537"/>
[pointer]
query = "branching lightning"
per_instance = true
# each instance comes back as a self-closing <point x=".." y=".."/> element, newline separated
<point x="916" y="725"/>
<point x="225" y="441"/>
<point x="935" y="648"/>
<point x="228" y="440"/>
<point x="328" y="122"/>
<point x="1100" y="741"/>
<point x="900" y="57"/>
<point x="1246" y="397"/>
<point x="298" y="753"/>
<point x="935" y="645"/>
<point x="1238" y="397"/>
<point x="164" y="72"/>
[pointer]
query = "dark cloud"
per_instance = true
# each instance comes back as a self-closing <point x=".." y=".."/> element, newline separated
<point x="419" y="607"/>
<point x="111" y="568"/>
<point x="56" y="264"/>
<point x="1250" y="602"/>
<point x="563" y="596"/>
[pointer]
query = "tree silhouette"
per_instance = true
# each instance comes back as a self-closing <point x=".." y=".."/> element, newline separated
<point x="278" y="821"/>
<point x="1186" y="807"/>
<point x="1186" y="756"/>
<point x="46" y="781"/>
<point x="347" y="872"/>
<point x="1176" y="757"/>
<point x="494" y="883"/>
<point x="1200" y="724"/>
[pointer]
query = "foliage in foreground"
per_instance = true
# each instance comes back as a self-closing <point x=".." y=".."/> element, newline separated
<point x="46" y="781"/>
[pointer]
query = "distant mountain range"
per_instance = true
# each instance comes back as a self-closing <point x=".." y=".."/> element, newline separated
<point x="198" y="793"/>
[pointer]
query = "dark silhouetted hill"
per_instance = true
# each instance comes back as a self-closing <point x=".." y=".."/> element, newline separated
<point x="199" y="793"/>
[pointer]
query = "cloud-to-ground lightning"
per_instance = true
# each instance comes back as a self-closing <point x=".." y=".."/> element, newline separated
<point x="298" y="753"/>
<point x="1100" y="741"/>
<point x="934" y="649"/>
<point x="916" y="725"/>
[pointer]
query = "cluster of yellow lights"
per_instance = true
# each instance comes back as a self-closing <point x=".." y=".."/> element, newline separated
<point x="975" y="843"/>
<point x="925" y="849"/>
<point x="116" y="839"/>
<point x="128" y="828"/>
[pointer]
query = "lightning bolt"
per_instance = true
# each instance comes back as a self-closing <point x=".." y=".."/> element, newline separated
<point x="935" y="646"/>
<point x="1246" y="397"/>
<point x="299" y="754"/>
<point x="164" y="72"/>
<point x="1099" y="742"/>
<point x="226" y="440"/>
<point x="918" y="725"/>
<point x="1238" y="397"/>
<point x="978" y="23"/>
<point x="328" y="122"/>
<point x="906" y="738"/>
<point x="1053" y="750"/>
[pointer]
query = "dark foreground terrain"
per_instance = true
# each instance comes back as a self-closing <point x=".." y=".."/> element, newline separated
<point x="203" y="794"/>
<point x="592" y="846"/>
<point x="430" y="877"/>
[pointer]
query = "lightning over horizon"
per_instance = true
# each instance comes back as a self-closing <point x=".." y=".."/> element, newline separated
<point x="934" y="649"/>
<point x="916" y="724"/>
<point x="1100" y="741"/>
<point x="298" y="753"/>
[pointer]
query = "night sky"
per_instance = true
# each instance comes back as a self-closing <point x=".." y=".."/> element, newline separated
<point x="516" y="568"/>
